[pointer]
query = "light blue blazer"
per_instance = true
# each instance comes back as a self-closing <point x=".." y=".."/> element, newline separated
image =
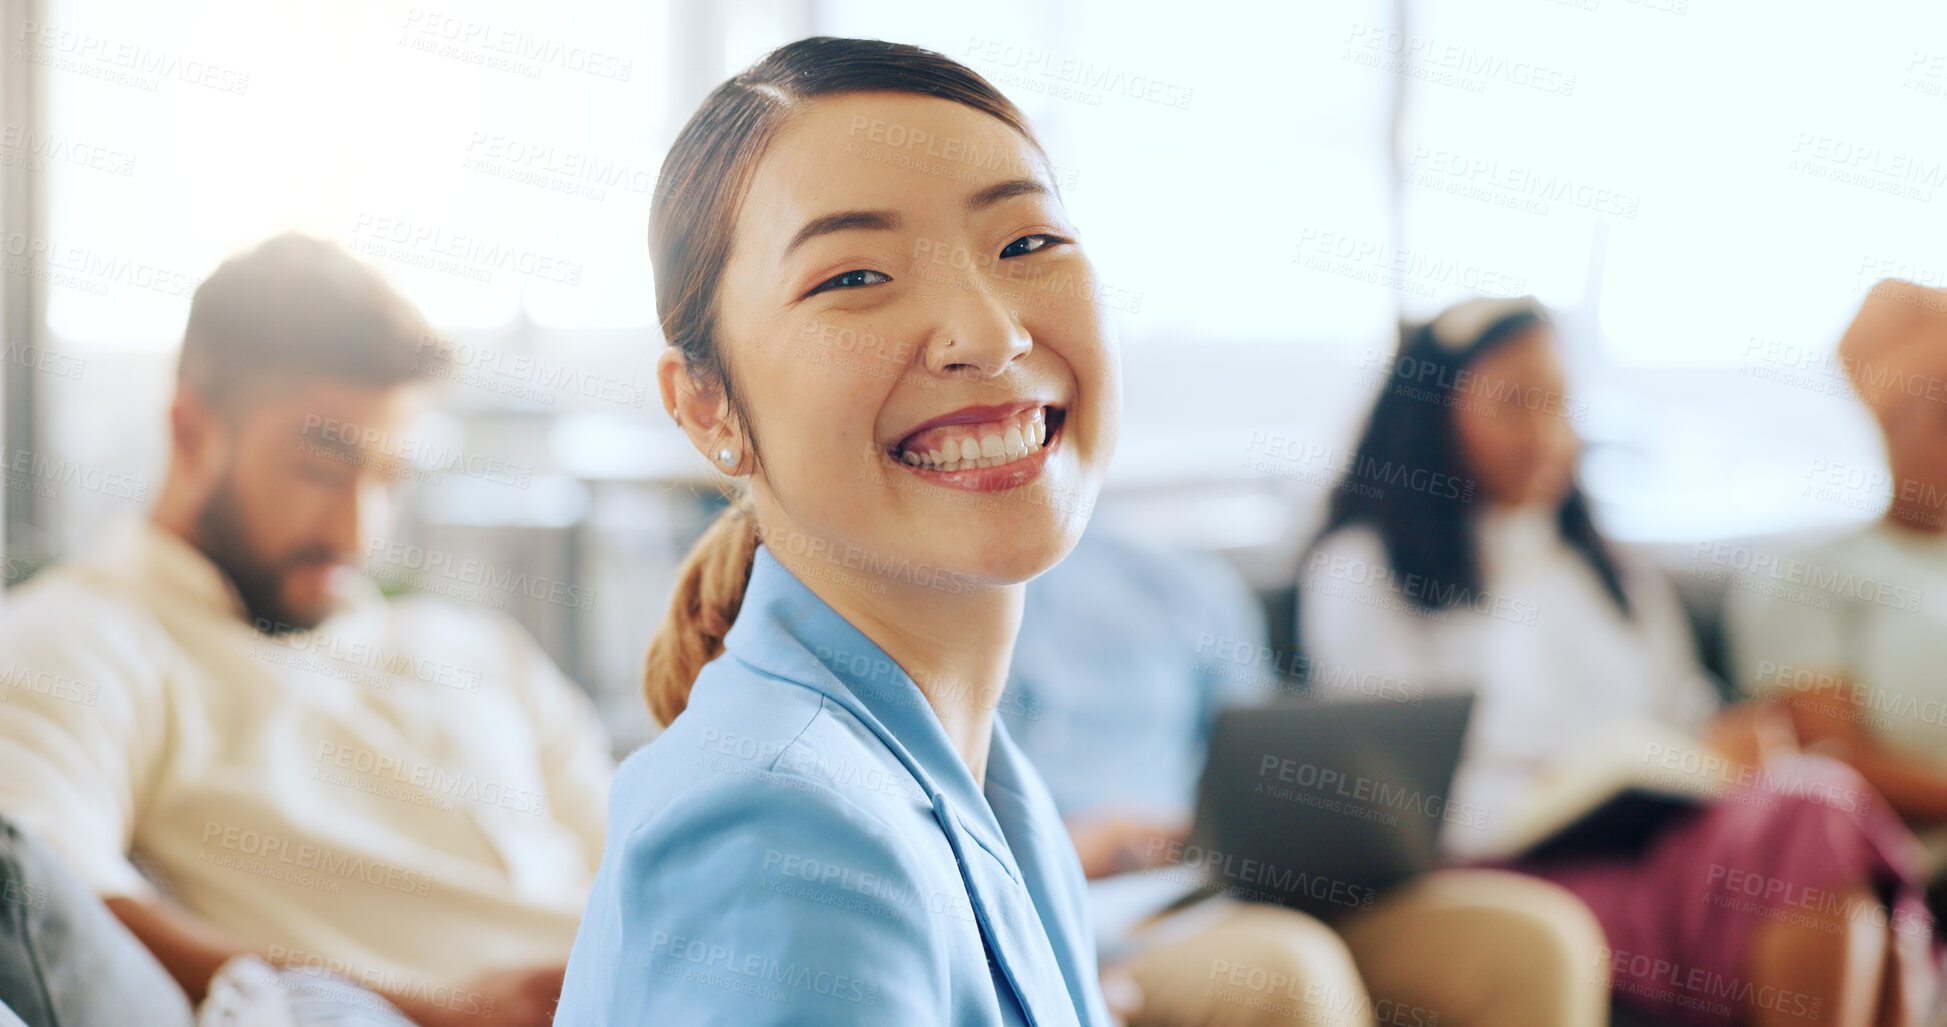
<point x="803" y="845"/>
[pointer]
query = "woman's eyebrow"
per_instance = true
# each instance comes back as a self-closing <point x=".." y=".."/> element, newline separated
<point x="845" y="221"/>
<point x="1006" y="190"/>
<point x="890" y="221"/>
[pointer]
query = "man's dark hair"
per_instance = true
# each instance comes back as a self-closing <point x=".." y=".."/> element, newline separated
<point x="297" y="309"/>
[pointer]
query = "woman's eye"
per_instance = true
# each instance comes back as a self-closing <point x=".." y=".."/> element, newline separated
<point x="851" y="280"/>
<point x="1028" y="244"/>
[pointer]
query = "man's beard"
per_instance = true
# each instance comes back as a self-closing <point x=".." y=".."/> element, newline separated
<point x="225" y="539"/>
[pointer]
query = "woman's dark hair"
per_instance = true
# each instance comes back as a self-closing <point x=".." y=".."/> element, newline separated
<point x="1432" y="532"/>
<point x="692" y="224"/>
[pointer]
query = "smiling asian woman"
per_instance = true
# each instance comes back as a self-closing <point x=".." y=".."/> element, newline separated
<point x="834" y="829"/>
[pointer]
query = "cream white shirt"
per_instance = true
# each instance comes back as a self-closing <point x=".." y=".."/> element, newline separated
<point x="1554" y="665"/>
<point x="410" y="793"/>
<point x="1869" y="607"/>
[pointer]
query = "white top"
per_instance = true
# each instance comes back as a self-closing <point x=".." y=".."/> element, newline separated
<point x="1869" y="607"/>
<point x="411" y="793"/>
<point x="1554" y="665"/>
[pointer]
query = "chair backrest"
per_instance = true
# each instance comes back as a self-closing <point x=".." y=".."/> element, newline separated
<point x="1704" y="587"/>
<point x="1281" y="628"/>
<point x="65" y="961"/>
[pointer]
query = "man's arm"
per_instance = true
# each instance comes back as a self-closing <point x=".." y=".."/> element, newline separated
<point x="1830" y="720"/>
<point x="188" y="948"/>
<point x="1108" y="845"/>
<point x="82" y="737"/>
<point x="192" y="950"/>
<point x="1775" y="638"/>
<point x="83" y="729"/>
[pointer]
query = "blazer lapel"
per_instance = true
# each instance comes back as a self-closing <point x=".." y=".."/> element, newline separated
<point x="808" y="642"/>
<point x="1010" y="925"/>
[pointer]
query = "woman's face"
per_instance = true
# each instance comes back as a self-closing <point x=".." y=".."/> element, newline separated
<point x="1512" y="423"/>
<point x="908" y="321"/>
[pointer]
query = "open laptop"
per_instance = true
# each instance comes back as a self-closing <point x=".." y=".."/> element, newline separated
<point x="1318" y="805"/>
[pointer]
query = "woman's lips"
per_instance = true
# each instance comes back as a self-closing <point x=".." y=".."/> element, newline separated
<point x="1020" y="444"/>
<point x="969" y="445"/>
<point x="977" y="413"/>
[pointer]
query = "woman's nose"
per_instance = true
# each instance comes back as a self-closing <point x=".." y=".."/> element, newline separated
<point x="979" y="336"/>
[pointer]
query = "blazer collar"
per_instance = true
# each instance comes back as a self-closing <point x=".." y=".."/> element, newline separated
<point x="783" y="629"/>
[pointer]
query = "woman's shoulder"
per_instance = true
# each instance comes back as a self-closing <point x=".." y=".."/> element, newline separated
<point x="721" y="798"/>
<point x="1345" y="543"/>
<point x="760" y="847"/>
<point x="754" y="758"/>
<point x="778" y="738"/>
<point x="1348" y="565"/>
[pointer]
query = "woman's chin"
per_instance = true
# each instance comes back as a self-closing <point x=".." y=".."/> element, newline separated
<point x="1006" y="560"/>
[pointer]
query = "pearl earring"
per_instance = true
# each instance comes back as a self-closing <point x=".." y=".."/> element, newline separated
<point x="726" y="457"/>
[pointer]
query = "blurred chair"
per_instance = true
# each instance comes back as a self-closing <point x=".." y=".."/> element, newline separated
<point x="65" y="961"/>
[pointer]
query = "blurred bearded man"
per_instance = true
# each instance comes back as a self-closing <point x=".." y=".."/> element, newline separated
<point x="403" y="791"/>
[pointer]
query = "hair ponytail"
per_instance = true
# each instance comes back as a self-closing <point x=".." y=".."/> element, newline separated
<point x="709" y="591"/>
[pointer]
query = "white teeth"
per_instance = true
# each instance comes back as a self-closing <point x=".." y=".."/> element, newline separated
<point x="990" y="450"/>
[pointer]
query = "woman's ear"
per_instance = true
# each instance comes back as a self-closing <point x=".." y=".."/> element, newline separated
<point x="702" y="409"/>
